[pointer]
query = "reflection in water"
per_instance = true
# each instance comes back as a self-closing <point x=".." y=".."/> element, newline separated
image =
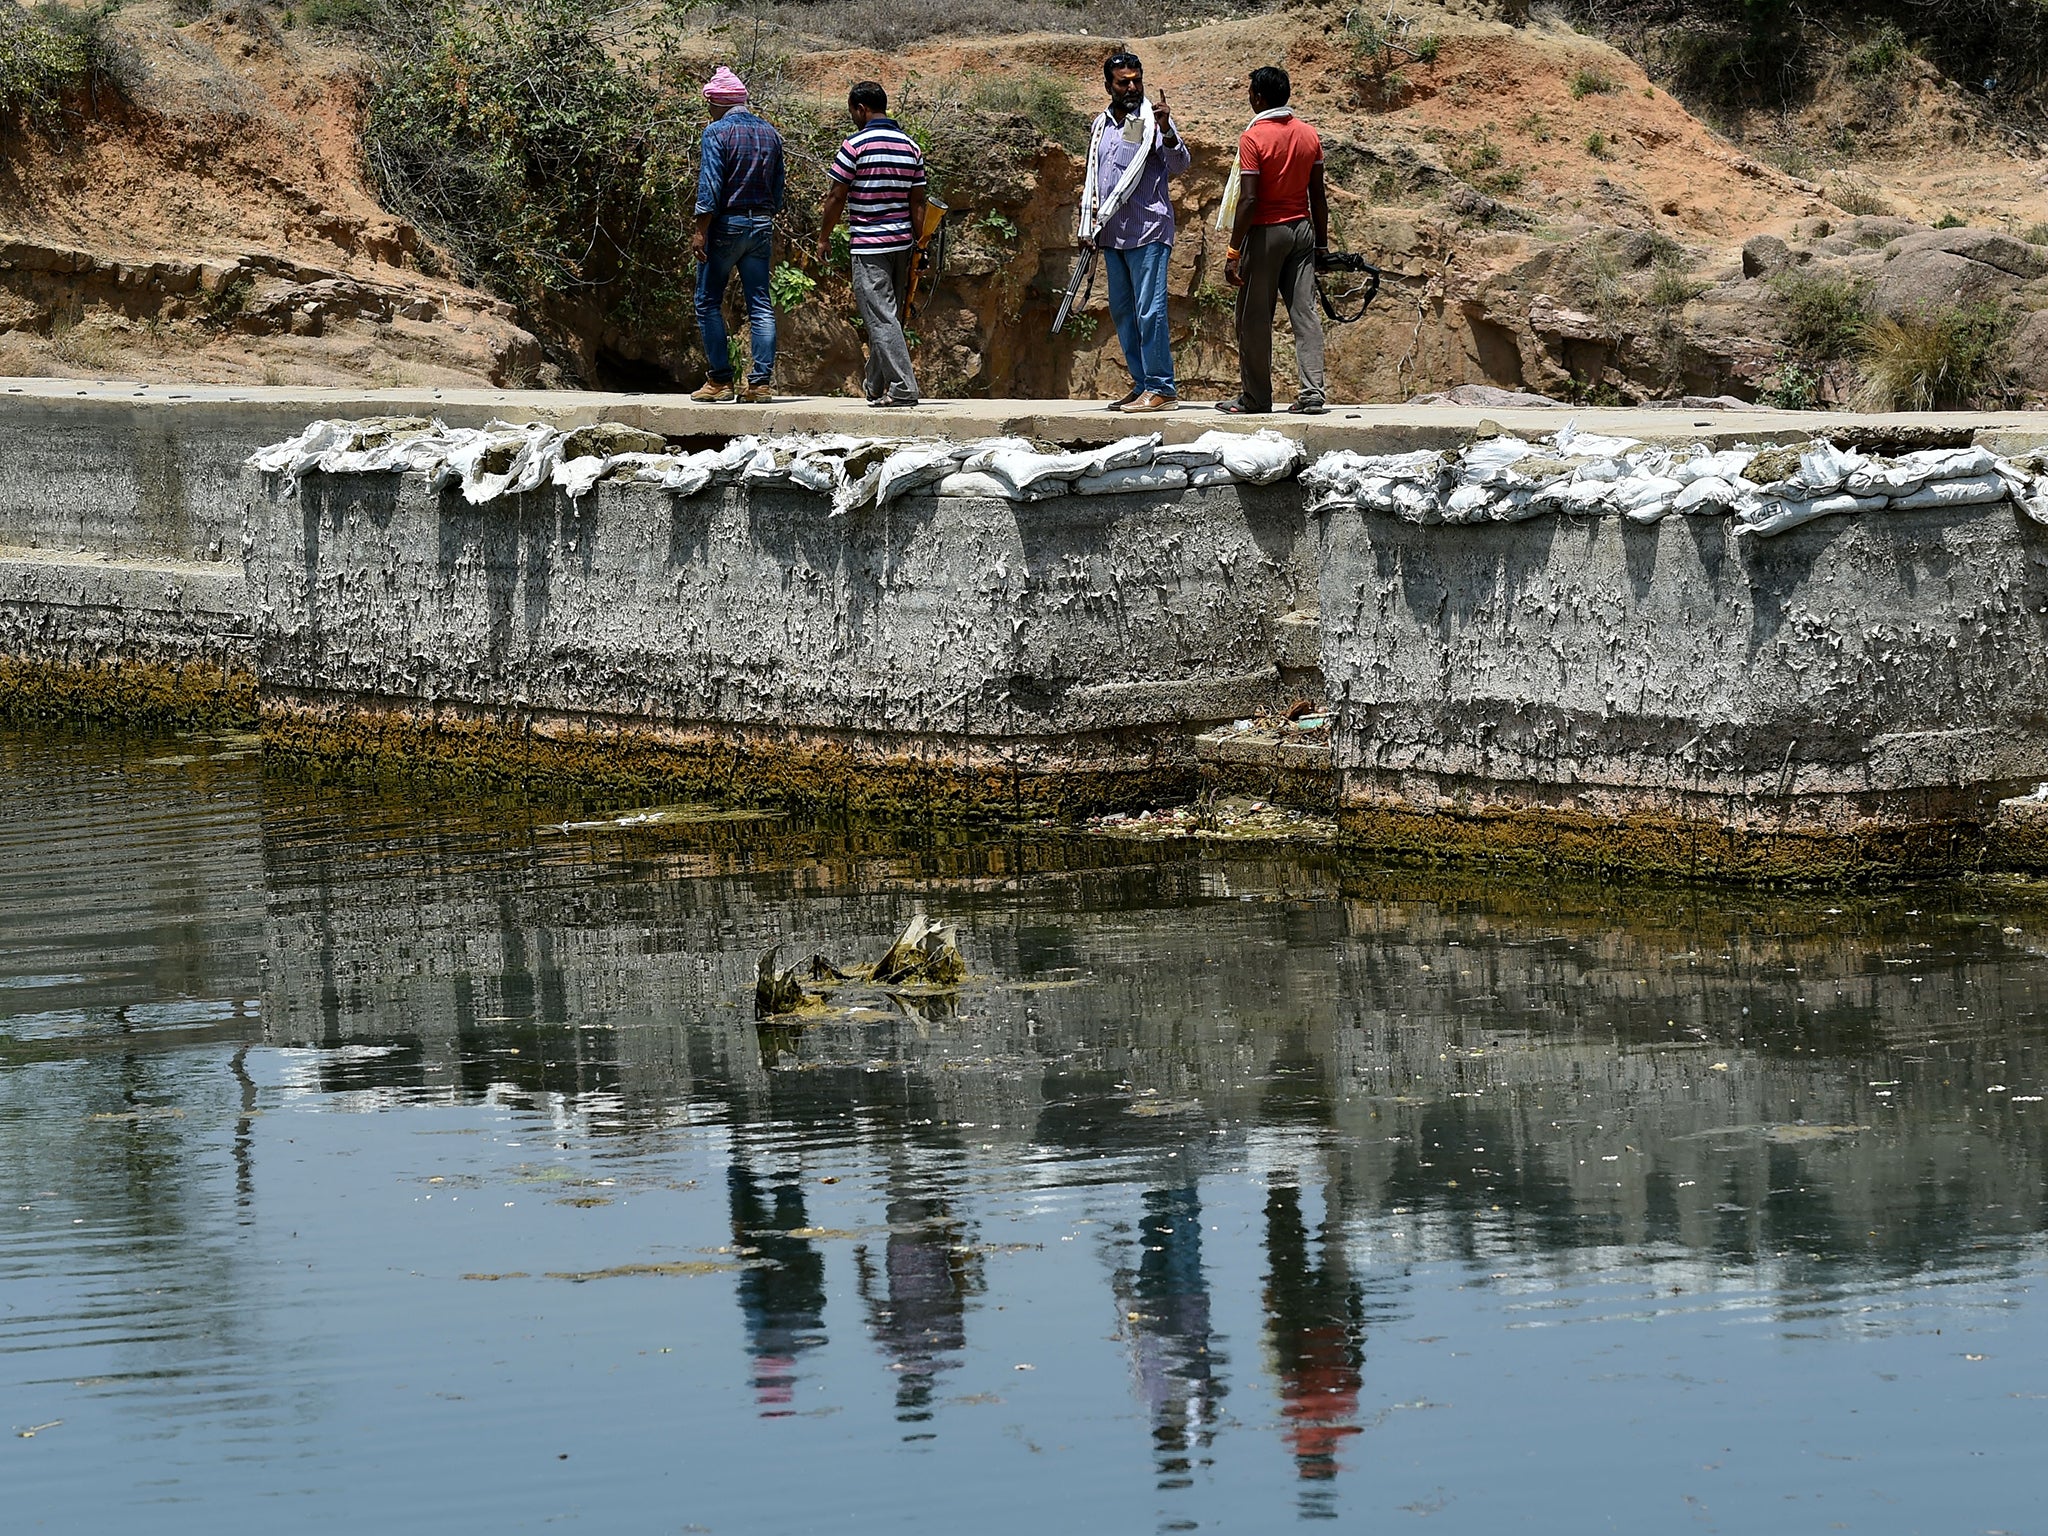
<point x="917" y="1302"/>
<point x="783" y="1297"/>
<point x="282" y="1069"/>
<point x="1315" y="1329"/>
<point x="1165" y="1304"/>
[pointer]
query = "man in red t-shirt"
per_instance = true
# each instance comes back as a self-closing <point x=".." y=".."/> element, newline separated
<point x="1282" y="228"/>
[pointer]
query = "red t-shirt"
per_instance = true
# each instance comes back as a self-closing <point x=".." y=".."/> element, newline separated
<point x="1283" y="151"/>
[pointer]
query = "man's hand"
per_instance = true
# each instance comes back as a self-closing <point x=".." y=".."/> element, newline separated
<point x="1163" y="119"/>
<point x="825" y="248"/>
<point x="1087" y="242"/>
<point x="1231" y="274"/>
<point x="698" y="246"/>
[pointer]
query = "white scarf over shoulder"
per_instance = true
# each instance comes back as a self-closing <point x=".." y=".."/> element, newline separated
<point x="1226" y="215"/>
<point x="1097" y="209"/>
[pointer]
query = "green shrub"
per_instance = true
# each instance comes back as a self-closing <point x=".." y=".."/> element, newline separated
<point x="51" y="51"/>
<point x="342" y="15"/>
<point x="1824" y="316"/>
<point x="1851" y="197"/>
<point x="1587" y="81"/>
<point x="1038" y="97"/>
<point x="1671" y="289"/>
<point x="2037" y="234"/>
<point x="1793" y="387"/>
<point x="790" y="286"/>
<point x="1944" y="359"/>
<point x="551" y="170"/>
<point x="1596" y="145"/>
<point x="1883" y="54"/>
<point x="1950" y="221"/>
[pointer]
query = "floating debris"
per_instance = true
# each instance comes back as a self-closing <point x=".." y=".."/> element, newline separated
<point x="778" y="992"/>
<point x="924" y="952"/>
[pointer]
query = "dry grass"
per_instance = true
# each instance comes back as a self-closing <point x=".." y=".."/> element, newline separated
<point x="895" y="23"/>
<point x="1947" y="359"/>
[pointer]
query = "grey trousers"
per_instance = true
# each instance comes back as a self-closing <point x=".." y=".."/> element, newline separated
<point x="879" y="283"/>
<point x="1278" y="262"/>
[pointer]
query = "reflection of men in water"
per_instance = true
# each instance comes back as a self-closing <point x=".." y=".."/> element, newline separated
<point x="917" y="1306"/>
<point x="1315" y="1327"/>
<point x="784" y="1304"/>
<point x="1166" y="1307"/>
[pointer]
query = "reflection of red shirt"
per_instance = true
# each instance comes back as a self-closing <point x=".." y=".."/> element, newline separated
<point x="1282" y="151"/>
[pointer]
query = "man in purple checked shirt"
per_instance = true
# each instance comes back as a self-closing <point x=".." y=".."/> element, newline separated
<point x="1127" y="214"/>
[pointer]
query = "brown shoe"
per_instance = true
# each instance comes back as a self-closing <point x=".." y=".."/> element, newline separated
<point x="1128" y="400"/>
<point x="1151" y="401"/>
<point x="711" y="391"/>
<point x="756" y="394"/>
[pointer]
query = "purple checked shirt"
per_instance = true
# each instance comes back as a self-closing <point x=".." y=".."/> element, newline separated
<point x="1147" y="219"/>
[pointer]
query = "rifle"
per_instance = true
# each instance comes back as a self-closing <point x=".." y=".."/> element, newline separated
<point x="1080" y="284"/>
<point x="1352" y="276"/>
<point x="927" y="258"/>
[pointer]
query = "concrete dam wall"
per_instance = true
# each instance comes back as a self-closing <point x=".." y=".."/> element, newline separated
<point x="1584" y="690"/>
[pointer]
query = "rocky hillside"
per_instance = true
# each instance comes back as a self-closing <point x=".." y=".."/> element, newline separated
<point x="196" y="201"/>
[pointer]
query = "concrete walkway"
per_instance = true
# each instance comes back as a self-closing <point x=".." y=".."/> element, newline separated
<point x="1366" y="428"/>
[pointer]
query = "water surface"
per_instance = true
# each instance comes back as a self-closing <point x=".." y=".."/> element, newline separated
<point x="368" y="1164"/>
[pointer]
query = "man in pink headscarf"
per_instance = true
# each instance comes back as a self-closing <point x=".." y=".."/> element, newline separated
<point x="739" y="192"/>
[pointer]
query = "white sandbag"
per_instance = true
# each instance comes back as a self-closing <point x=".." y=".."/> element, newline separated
<point x="1769" y="515"/>
<point x="1647" y="498"/>
<point x="816" y="473"/>
<point x="1824" y="467"/>
<point x="1138" y="477"/>
<point x="1469" y="504"/>
<point x="1577" y="497"/>
<point x="577" y="476"/>
<point x="1187" y="455"/>
<point x="465" y="463"/>
<point x="1976" y="491"/>
<point x="976" y="456"/>
<point x="1517" y="506"/>
<point x="1204" y="475"/>
<point x="1032" y="475"/>
<point x="1587" y="445"/>
<point x="1726" y="465"/>
<point x="1712" y="494"/>
<point x="1257" y="458"/>
<point x="1495" y="453"/>
<point x="911" y="467"/>
<point x="1125" y="453"/>
<point x="975" y="482"/>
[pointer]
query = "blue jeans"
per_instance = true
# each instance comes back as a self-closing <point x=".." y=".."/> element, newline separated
<point x="1137" y="300"/>
<point x="737" y="240"/>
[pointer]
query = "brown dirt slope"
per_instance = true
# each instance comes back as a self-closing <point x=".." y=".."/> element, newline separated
<point x="1549" y="217"/>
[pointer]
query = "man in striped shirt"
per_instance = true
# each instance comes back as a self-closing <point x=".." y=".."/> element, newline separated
<point x="878" y="183"/>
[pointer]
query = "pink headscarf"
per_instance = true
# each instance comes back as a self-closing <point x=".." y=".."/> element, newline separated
<point x="726" y="88"/>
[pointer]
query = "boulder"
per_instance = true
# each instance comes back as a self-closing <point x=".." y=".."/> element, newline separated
<point x="2029" y="351"/>
<point x="1942" y="268"/>
<point x="1765" y="256"/>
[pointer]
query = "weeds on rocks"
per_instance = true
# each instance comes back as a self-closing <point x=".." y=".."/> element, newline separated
<point x="1939" y="360"/>
<point x="1825" y="317"/>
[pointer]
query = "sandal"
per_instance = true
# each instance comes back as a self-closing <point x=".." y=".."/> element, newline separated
<point x="1309" y="406"/>
<point x="1237" y="407"/>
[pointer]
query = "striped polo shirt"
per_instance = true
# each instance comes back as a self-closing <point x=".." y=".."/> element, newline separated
<point x="878" y="166"/>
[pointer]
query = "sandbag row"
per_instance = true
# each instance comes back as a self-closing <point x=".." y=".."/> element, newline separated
<point x="1766" y="490"/>
<point x="504" y="459"/>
